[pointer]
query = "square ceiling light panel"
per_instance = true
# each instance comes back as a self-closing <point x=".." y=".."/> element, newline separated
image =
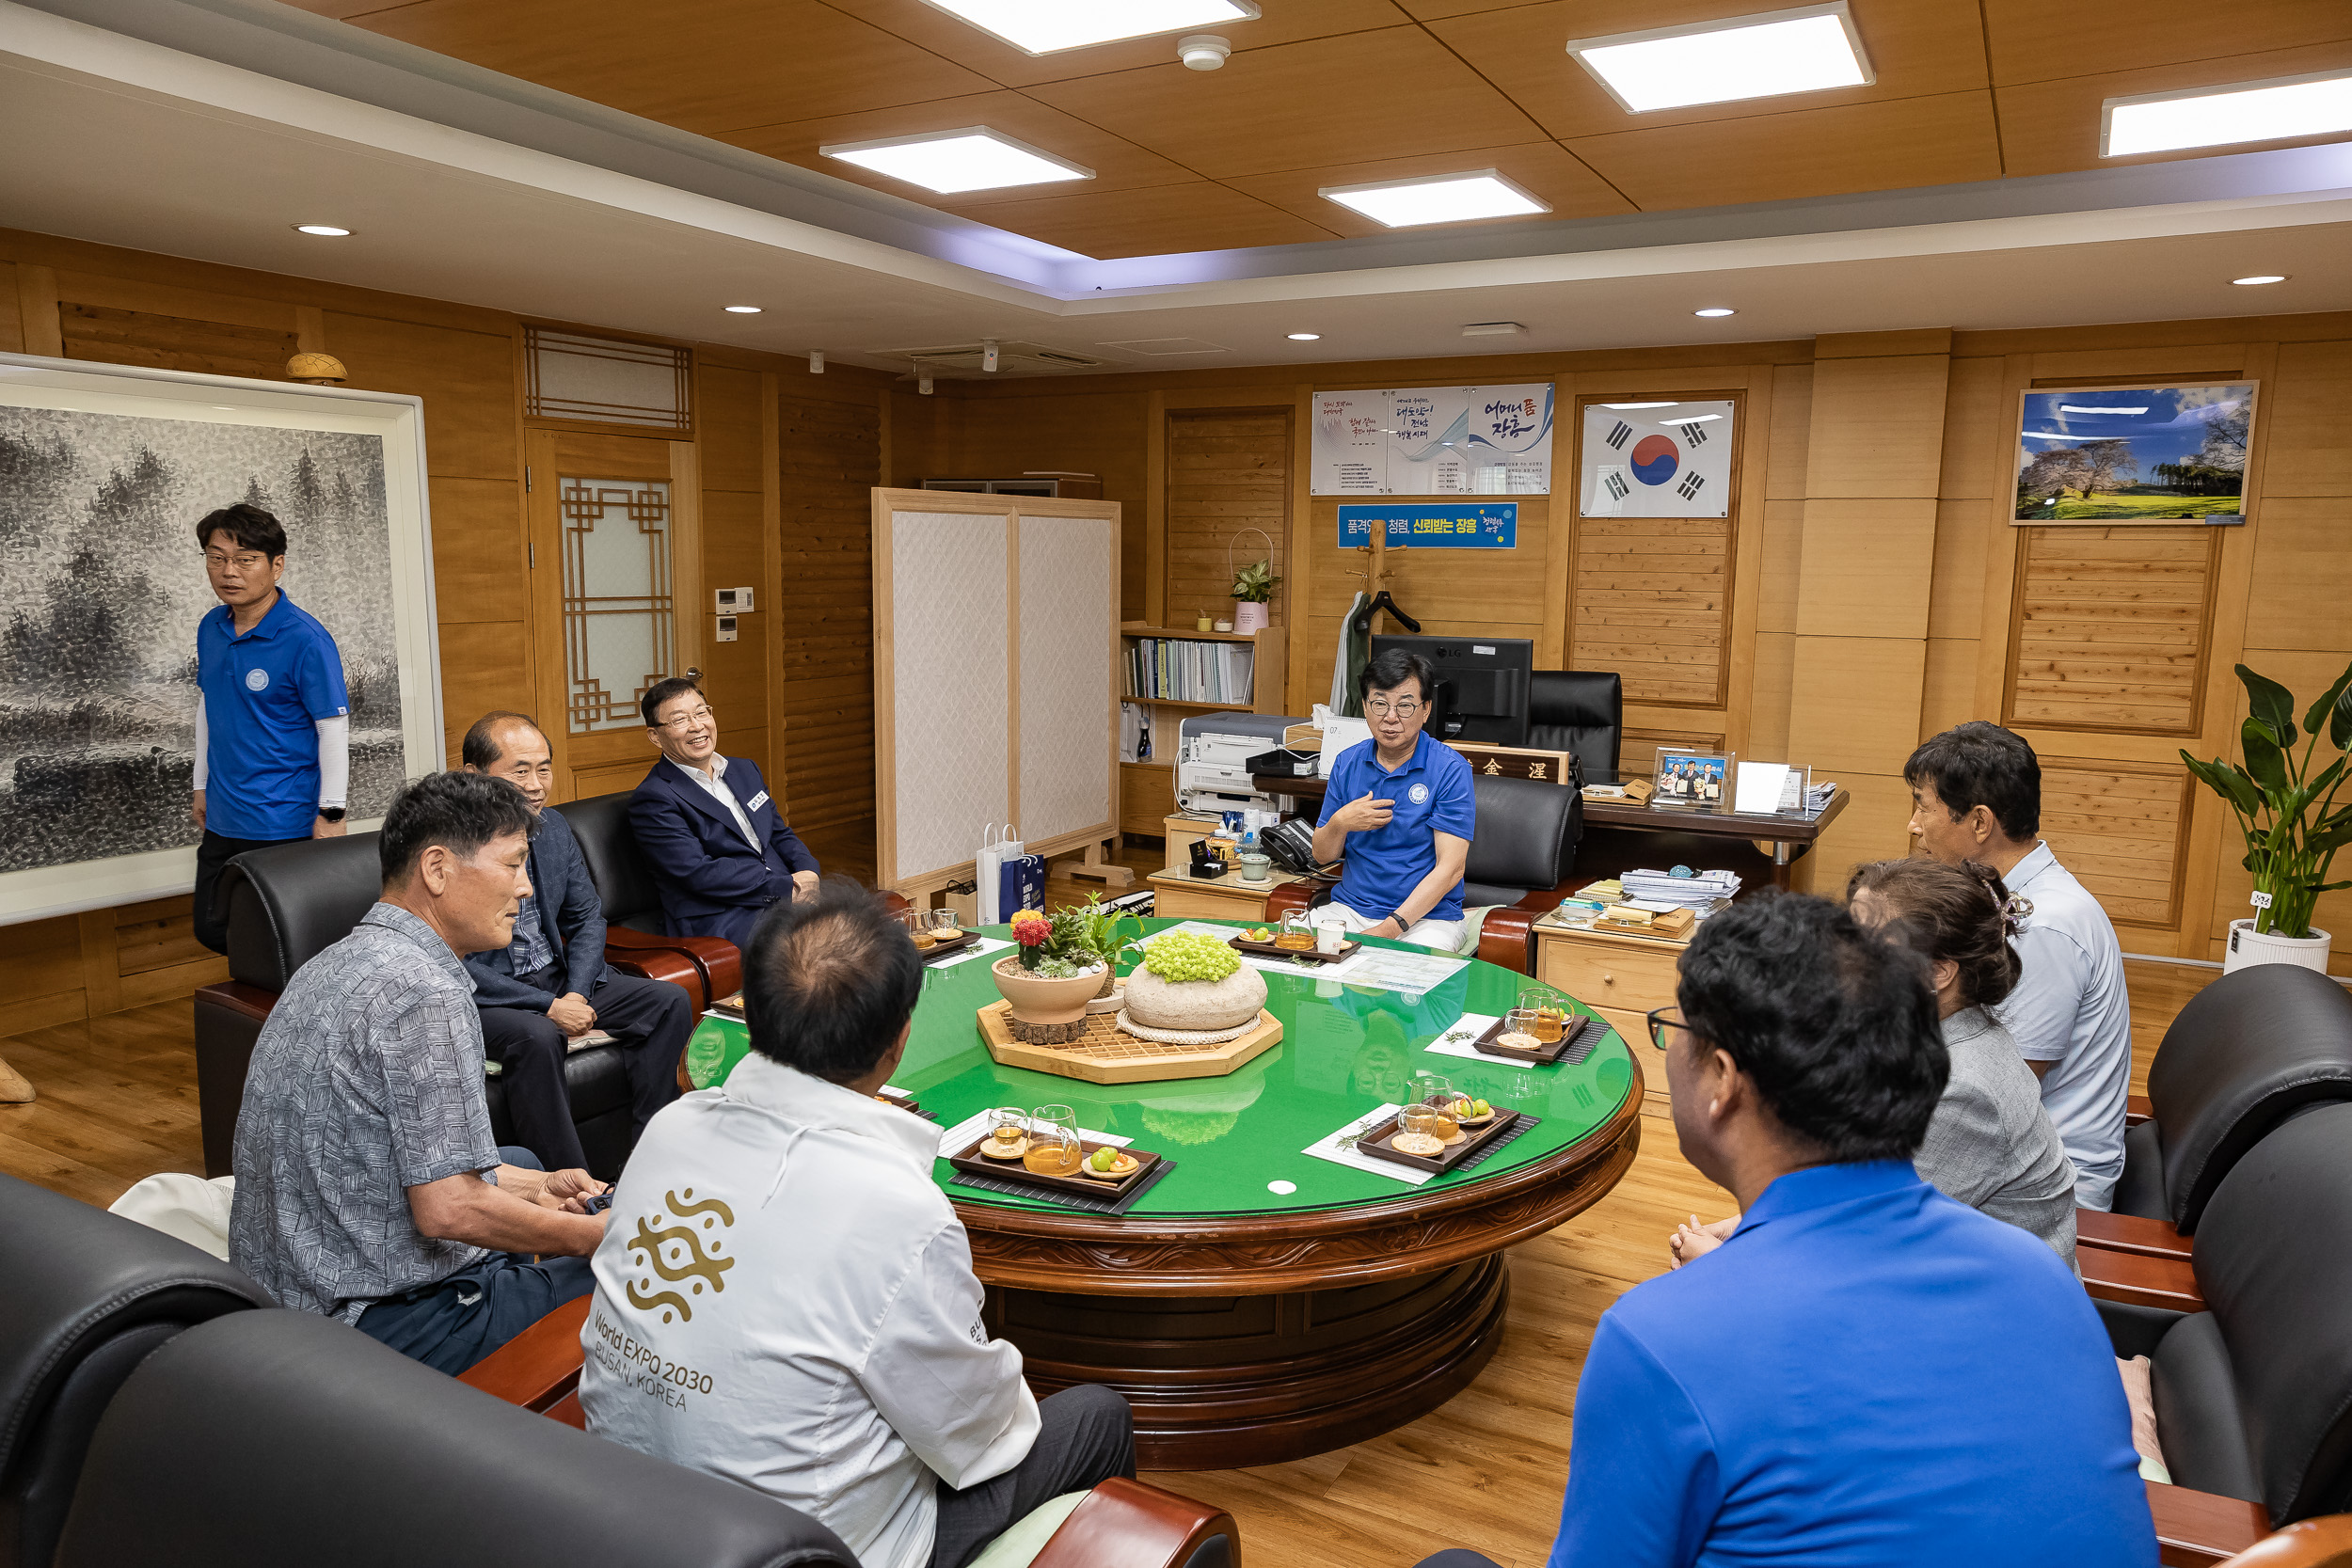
<point x="1043" y="26"/>
<point x="2214" y="116"/>
<point x="952" y="162"/>
<point x="1436" y="198"/>
<point x="1809" y="49"/>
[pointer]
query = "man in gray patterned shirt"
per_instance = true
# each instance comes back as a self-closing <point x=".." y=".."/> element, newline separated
<point x="369" y="1187"/>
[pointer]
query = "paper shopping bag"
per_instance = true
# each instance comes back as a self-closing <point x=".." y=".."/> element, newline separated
<point x="1020" y="884"/>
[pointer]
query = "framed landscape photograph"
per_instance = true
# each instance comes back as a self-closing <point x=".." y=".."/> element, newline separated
<point x="2132" y="454"/>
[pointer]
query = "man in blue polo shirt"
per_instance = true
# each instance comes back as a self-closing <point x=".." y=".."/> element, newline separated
<point x="1868" y="1375"/>
<point x="273" y="725"/>
<point x="1400" y="808"/>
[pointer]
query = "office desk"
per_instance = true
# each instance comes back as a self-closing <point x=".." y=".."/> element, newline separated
<point x="1620" y="837"/>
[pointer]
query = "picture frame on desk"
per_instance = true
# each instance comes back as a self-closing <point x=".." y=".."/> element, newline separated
<point x="1688" y="780"/>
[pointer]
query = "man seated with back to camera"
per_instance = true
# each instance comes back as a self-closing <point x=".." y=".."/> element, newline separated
<point x="551" y="985"/>
<point x="1976" y="795"/>
<point x="1401" y="809"/>
<point x="368" y="1188"/>
<point x="720" y="852"/>
<point x="837" y="1360"/>
<point x="1868" y="1375"/>
<point x="1990" y="1143"/>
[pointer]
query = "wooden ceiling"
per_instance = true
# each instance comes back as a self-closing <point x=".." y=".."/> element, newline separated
<point x="1332" y="92"/>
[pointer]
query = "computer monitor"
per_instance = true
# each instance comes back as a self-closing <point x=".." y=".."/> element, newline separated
<point x="1482" y="682"/>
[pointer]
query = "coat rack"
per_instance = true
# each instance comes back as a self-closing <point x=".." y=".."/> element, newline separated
<point x="1375" y="585"/>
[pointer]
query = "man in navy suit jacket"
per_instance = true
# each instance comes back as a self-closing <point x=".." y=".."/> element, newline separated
<point x="720" y="853"/>
<point x="550" y="986"/>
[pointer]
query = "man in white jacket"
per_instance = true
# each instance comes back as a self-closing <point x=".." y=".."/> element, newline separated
<point x="786" y="1299"/>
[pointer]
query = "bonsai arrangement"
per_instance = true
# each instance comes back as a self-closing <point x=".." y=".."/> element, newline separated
<point x="2288" y="816"/>
<point x="1193" y="988"/>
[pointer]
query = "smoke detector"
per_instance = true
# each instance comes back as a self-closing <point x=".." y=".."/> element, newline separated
<point x="1203" y="52"/>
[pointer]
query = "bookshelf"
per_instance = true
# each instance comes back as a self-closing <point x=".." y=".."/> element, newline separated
<point x="1146" y="790"/>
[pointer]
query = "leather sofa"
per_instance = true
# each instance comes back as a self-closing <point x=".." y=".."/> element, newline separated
<point x="2248" y="1053"/>
<point x="1580" y="711"/>
<point x="278" y="1439"/>
<point x="2253" y="1385"/>
<point x="1522" y="856"/>
<point x="88" y="1296"/>
<point x="288" y="902"/>
<point x="632" y="903"/>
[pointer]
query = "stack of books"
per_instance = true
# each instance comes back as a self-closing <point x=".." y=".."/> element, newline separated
<point x="1175" y="671"/>
<point x="1701" y="891"/>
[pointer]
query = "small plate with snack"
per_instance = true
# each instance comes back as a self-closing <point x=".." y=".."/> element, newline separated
<point x="1514" y="1038"/>
<point x="1100" y="1169"/>
<point x="1268" y="942"/>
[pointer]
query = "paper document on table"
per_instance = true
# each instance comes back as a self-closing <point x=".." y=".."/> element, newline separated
<point x="1340" y="1149"/>
<point x="968" y="1131"/>
<point x="1759" y="786"/>
<point x="1455" y="1041"/>
<point x="1387" y="968"/>
<point x="977" y="950"/>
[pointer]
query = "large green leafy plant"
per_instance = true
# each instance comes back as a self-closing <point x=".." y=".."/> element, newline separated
<point x="2288" y="814"/>
<point x="1092" y="932"/>
<point x="1256" y="582"/>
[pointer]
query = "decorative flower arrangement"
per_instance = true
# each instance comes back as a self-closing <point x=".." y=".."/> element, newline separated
<point x="1031" y="930"/>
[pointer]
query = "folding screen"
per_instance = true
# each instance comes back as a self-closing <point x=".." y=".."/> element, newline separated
<point x="995" y="677"/>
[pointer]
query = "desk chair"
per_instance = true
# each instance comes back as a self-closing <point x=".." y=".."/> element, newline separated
<point x="1580" y="711"/>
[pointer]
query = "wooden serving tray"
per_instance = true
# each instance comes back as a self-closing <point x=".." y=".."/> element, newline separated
<point x="1108" y="1054"/>
<point x="1578" y="1027"/>
<point x="972" y="1161"/>
<point x="941" y="949"/>
<point x="1375" y="1143"/>
<point x="1303" y="955"/>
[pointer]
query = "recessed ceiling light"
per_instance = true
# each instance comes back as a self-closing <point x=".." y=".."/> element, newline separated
<point x="1436" y="198"/>
<point x="1716" y="310"/>
<point x="325" y="230"/>
<point x="973" y="159"/>
<point x="1043" y="26"/>
<point x="1808" y="49"/>
<point x="1304" y="337"/>
<point x="2213" y="116"/>
<point x="1637" y="405"/>
<point x="742" y="310"/>
<point x="2267" y="277"/>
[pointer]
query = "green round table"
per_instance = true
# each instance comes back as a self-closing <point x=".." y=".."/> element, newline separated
<point x="1249" y="1325"/>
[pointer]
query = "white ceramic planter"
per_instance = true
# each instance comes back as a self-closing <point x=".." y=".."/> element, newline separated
<point x="1248" y="616"/>
<point x="2248" y="948"/>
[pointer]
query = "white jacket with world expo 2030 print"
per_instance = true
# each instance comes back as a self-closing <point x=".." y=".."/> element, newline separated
<point x="784" y="1298"/>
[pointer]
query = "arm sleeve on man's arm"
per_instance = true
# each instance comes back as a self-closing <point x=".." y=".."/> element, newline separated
<point x="203" y="744"/>
<point x="1456" y="809"/>
<point x="1644" y="1484"/>
<point x="334" y="760"/>
<point x="953" y="1394"/>
<point x="431" y="1054"/>
<point x="789" y="848"/>
<point x="2040" y="1014"/>
<point x="581" y="921"/>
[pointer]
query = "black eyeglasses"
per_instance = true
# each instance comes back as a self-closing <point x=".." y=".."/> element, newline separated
<point x="1664" y="1024"/>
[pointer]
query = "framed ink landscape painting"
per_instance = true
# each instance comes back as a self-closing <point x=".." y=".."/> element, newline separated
<point x="103" y="471"/>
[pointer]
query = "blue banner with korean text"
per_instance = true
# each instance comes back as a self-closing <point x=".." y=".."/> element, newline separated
<point x="1435" y="525"/>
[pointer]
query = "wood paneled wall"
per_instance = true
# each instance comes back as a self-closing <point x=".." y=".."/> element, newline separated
<point x="1228" y="469"/>
<point x="71" y="299"/>
<point x="1869" y="590"/>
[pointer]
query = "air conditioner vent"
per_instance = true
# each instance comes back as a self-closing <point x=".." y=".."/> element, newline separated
<point x="1012" y="358"/>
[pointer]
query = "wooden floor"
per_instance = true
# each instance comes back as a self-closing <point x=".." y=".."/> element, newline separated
<point x="117" y="1103"/>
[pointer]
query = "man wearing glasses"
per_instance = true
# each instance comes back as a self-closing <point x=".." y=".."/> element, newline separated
<point x="1401" y="809"/>
<point x="273" y="722"/>
<point x="1868" y="1373"/>
<point x="720" y="853"/>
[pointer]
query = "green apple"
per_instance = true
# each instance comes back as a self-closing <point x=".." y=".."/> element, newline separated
<point x="1480" y="1108"/>
<point x="1103" y="1159"/>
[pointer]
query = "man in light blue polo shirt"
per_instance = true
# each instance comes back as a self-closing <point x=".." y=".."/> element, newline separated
<point x="1400" y="808"/>
<point x="1868" y="1375"/>
<point x="1976" y="795"/>
<point x="273" y="725"/>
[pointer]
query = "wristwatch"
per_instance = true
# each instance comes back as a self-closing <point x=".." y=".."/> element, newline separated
<point x="330" y="814"/>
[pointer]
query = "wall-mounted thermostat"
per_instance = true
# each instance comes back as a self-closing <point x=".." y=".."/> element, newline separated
<point x="733" y="601"/>
<point x="726" y="628"/>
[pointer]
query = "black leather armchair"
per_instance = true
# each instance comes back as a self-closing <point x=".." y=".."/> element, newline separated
<point x="632" y="902"/>
<point x="2253" y="1393"/>
<point x="1580" y="711"/>
<point x="1523" y="856"/>
<point x="2246" y="1052"/>
<point x="87" y="1296"/>
<point x="290" y="901"/>
<point x="281" y="1440"/>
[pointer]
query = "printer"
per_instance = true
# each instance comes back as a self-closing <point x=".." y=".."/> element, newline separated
<point x="1212" y="752"/>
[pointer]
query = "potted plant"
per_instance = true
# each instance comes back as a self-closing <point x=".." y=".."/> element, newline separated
<point x="2288" y="814"/>
<point x="1092" y="932"/>
<point x="1253" y="586"/>
<point x="1045" y="987"/>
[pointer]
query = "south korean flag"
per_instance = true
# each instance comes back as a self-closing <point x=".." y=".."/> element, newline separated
<point x="1657" y="458"/>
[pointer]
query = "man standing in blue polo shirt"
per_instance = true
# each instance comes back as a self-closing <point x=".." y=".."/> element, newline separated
<point x="1400" y="808"/>
<point x="273" y="725"/>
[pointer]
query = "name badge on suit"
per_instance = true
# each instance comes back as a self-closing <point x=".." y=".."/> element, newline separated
<point x="756" y="802"/>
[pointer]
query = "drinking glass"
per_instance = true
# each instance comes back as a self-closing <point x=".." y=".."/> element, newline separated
<point x="1528" y="1022"/>
<point x="945" y="925"/>
<point x="1437" y="1094"/>
<point x="1007" y="1125"/>
<point x="1297" y="934"/>
<point x="1053" y="1141"/>
<point x="1547" y="1013"/>
<point x="919" y="925"/>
